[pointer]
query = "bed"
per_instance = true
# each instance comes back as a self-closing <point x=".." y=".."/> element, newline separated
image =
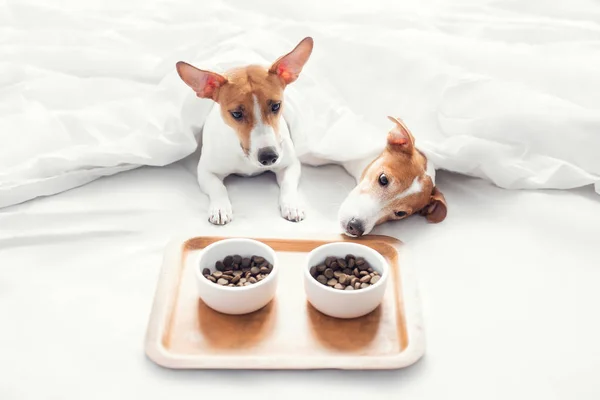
<point x="509" y="290"/>
<point x="508" y="281"/>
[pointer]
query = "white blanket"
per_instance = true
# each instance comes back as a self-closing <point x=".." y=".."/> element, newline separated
<point x="502" y="90"/>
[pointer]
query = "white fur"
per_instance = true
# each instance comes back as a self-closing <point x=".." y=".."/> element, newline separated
<point x="262" y="135"/>
<point x="363" y="206"/>
<point x="222" y="155"/>
<point x="430" y="171"/>
<point x="415" y="187"/>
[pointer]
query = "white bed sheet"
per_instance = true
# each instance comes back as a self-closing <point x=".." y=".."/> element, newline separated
<point x="508" y="282"/>
<point x="505" y="90"/>
<point x="499" y="89"/>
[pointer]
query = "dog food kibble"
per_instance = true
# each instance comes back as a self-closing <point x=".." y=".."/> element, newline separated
<point x="236" y="271"/>
<point x="348" y="273"/>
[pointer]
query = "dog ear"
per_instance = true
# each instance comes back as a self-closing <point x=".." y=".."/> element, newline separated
<point x="206" y="84"/>
<point x="400" y="137"/>
<point x="288" y="67"/>
<point x="437" y="209"/>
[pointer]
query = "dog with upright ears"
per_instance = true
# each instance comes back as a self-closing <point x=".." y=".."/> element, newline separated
<point x="245" y="132"/>
<point x="397" y="183"/>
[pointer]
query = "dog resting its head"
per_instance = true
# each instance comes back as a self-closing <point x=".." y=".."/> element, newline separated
<point x="398" y="183"/>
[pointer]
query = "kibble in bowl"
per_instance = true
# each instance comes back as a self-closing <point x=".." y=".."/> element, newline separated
<point x="345" y="280"/>
<point x="237" y="276"/>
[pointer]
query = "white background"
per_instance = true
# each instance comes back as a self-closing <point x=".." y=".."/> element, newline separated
<point x="508" y="285"/>
<point x="509" y="281"/>
<point x="495" y="89"/>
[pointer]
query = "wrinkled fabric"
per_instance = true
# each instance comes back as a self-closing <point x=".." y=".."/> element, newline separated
<point x="502" y="90"/>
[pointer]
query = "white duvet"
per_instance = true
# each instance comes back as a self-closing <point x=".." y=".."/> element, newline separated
<point x="508" y="91"/>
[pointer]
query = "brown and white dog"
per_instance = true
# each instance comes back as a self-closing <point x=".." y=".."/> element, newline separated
<point x="396" y="184"/>
<point x="245" y="132"/>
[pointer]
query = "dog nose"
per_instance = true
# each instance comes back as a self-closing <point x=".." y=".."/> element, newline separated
<point x="355" y="227"/>
<point x="267" y="156"/>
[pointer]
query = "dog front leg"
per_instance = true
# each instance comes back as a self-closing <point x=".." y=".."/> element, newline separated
<point x="289" y="200"/>
<point x="219" y="210"/>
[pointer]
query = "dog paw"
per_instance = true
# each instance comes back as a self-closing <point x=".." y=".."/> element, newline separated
<point x="292" y="212"/>
<point x="220" y="214"/>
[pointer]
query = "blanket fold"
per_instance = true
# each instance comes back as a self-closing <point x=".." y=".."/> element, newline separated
<point x="89" y="89"/>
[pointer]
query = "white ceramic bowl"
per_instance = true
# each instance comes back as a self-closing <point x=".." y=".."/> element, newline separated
<point x="236" y="300"/>
<point x="345" y="303"/>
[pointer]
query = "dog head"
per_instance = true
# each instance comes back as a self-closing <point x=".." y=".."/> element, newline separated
<point x="251" y="99"/>
<point x="398" y="183"/>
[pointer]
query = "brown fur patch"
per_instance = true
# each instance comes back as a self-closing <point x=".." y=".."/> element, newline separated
<point x="243" y="84"/>
<point x="401" y="167"/>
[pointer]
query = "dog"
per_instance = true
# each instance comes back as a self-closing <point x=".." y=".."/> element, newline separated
<point x="399" y="182"/>
<point x="245" y="132"/>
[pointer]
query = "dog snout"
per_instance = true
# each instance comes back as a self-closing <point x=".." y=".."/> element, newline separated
<point x="267" y="156"/>
<point x="355" y="227"/>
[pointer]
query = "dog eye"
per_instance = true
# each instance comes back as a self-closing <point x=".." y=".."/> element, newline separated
<point x="237" y="115"/>
<point x="400" y="213"/>
<point x="275" y="107"/>
<point x="383" y="180"/>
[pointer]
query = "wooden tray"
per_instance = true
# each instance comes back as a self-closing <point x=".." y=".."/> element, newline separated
<point x="288" y="333"/>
